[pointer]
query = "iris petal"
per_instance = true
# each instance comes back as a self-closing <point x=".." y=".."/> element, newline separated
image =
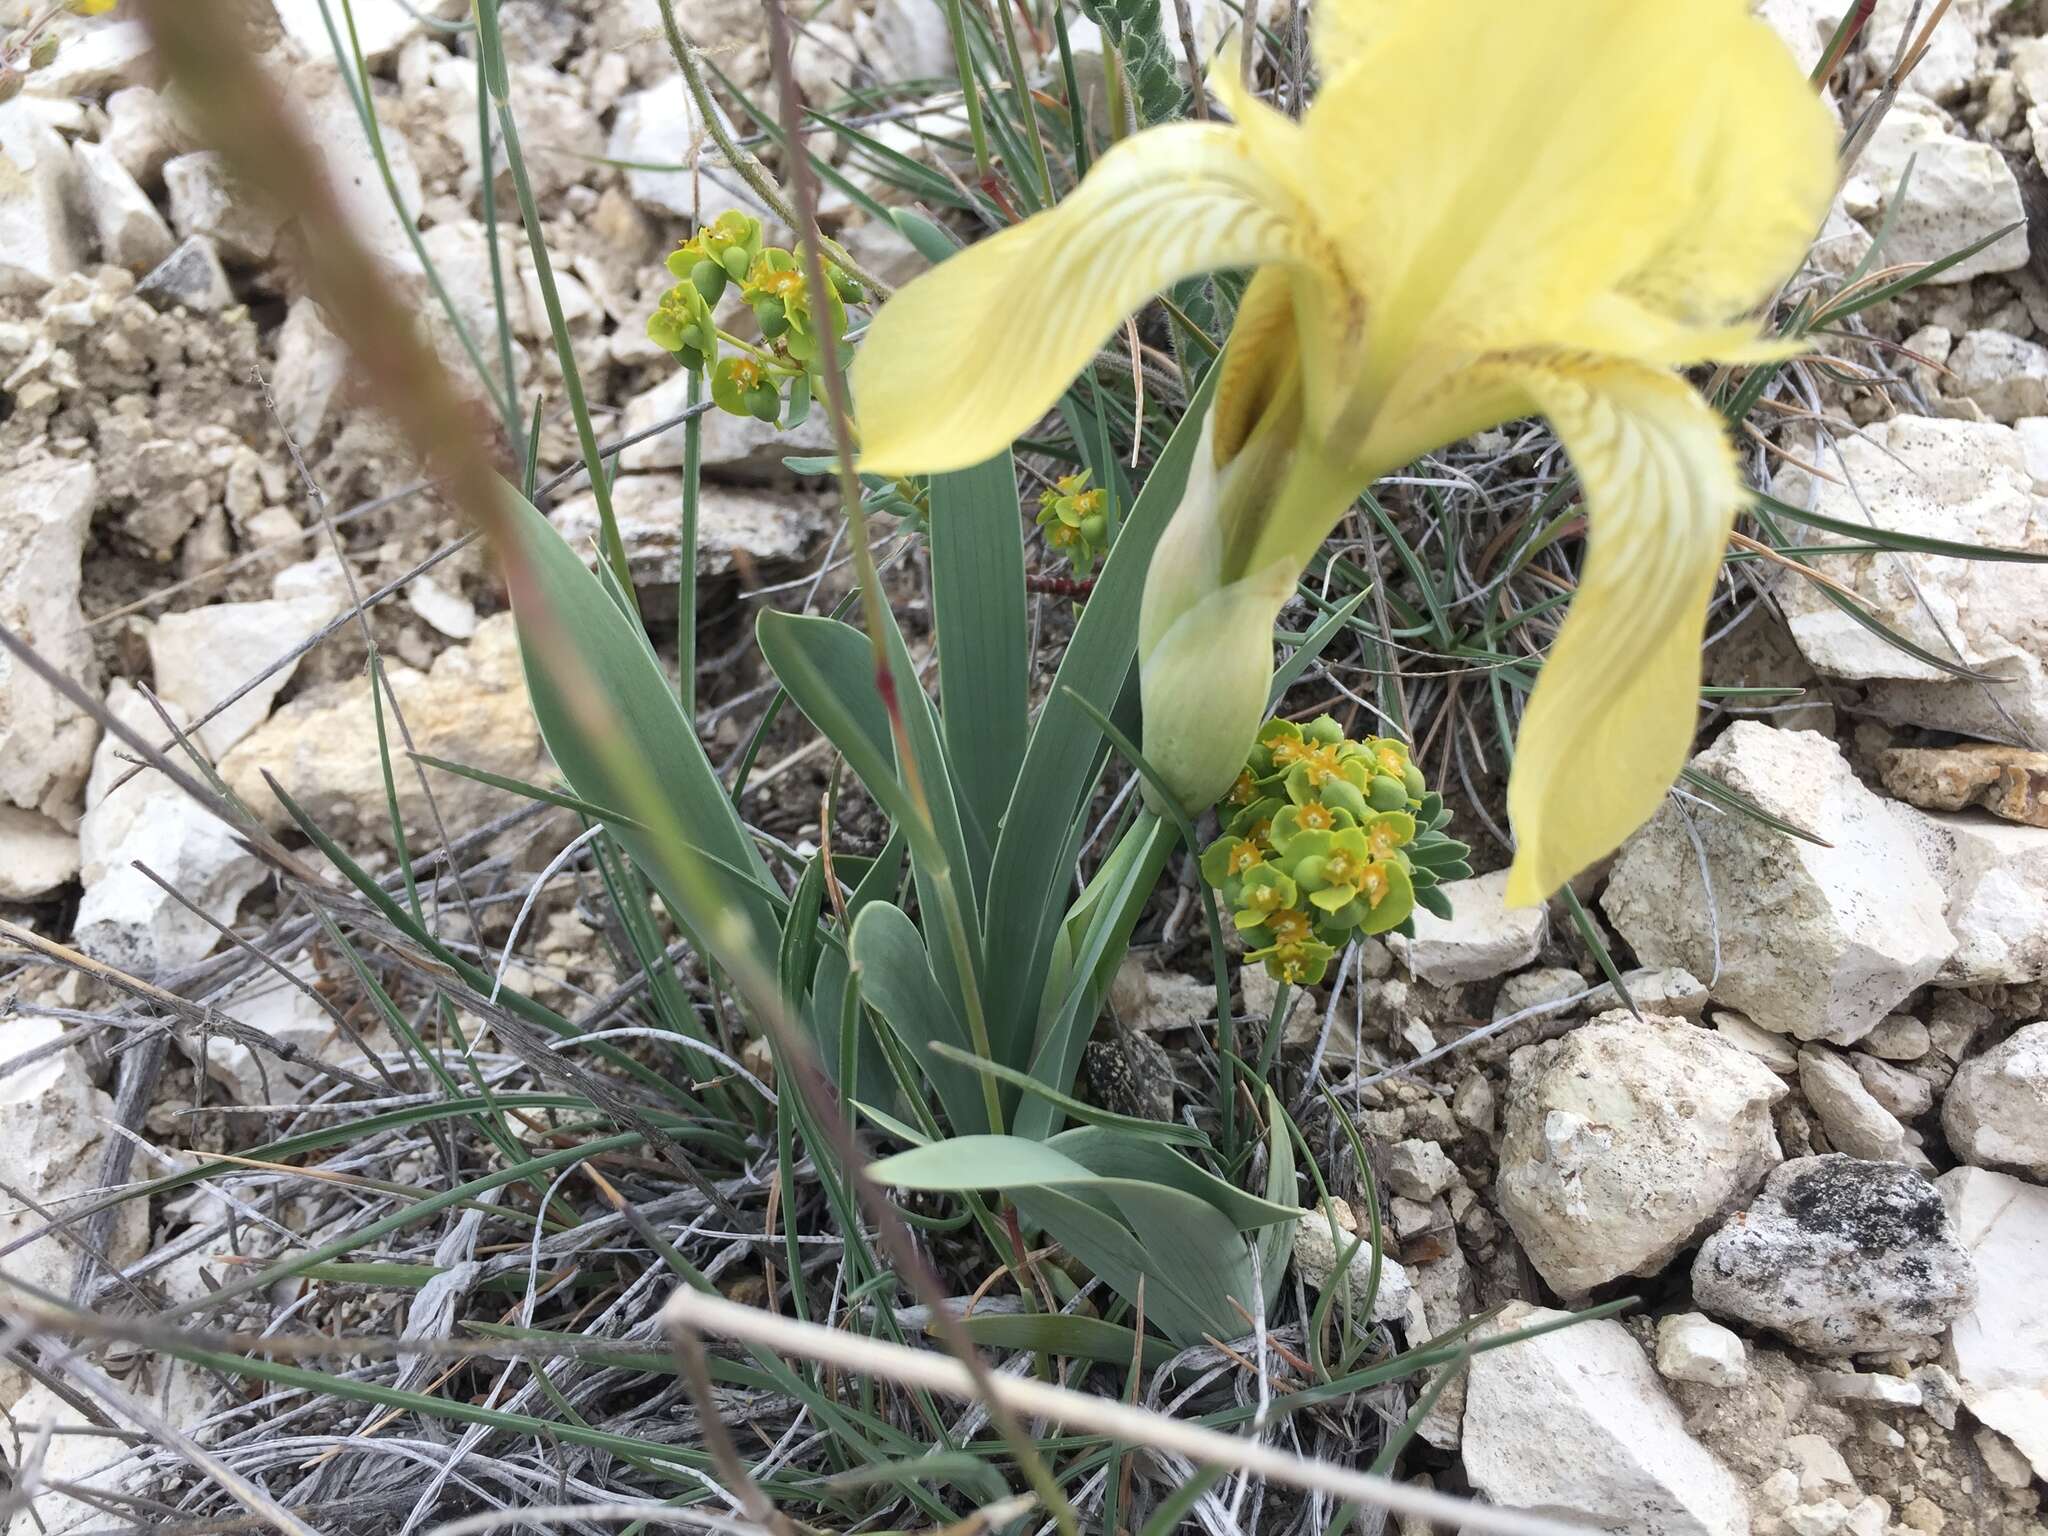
<point x="973" y="352"/>
<point x="1614" y="710"/>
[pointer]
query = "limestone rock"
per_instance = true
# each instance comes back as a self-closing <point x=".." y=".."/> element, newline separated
<point x="1841" y="1257"/>
<point x="1671" y="992"/>
<point x="37" y="242"/>
<point x="322" y="746"/>
<point x="1818" y="942"/>
<point x="1960" y="191"/>
<point x="1574" y="1423"/>
<point x="311" y="364"/>
<point x="202" y="655"/>
<point x="1773" y="1050"/>
<point x="206" y="201"/>
<point x="2005" y="374"/>
<point x="1693" y="1347"/>
<point x="1996" y="1112"/>
<point x="734" y="447"/>
<point x="126" y="918"/>
<point x="1626" y="1139"/>
<point x="1483" y="937"/>
<point x="1419" y="1169"/>
<point x="328" y="115"/>
<point x="191" y="277"/>
<point x="1998" y="1349"/>
<point x="1959" y="480"/>
<point x="287" y="1015"/>
<point x="2009" y="782"/>
<point x="661" y="126"/>
<point x="1995" y="876"/>
<point x="1898" y="1037"/>
<point x="141" y="133"/>
<point x="382" y="27"/>
<point x="1901" y="1093"/>
<point x="52" y="1132"/>
<point x="37" y="857"/>
<point x="130" y="232"/>
<point x="45" y="741"/>
<point x="734" y="527"/>
<point x="1316" y="1254"/>
<point x="1854" y="1121"/>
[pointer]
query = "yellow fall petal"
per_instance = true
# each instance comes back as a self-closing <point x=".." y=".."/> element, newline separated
<point x="971" y="353"/>
<point x="1340" y="30"/>
<point x="1613" y="713"/>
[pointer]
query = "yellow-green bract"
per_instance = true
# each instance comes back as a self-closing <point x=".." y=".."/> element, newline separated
<point x="1491" y="210"/>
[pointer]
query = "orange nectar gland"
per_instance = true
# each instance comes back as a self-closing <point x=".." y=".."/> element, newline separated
<point x="777" y="282"/>
<point x="1339" y="869"/>
<point x="1288" y="929"/>
<point x="1321" y="764"/>
<point x="1287" y="753"/>
<point x="1263" y="899"/>
<point x="1392" y="760"/>
<point x="746" y="374"/>
<point x="1382" y="840"/>
<point x="1243" y="855"/>
<point x="1314" y="817"/>
<point x="1245" y="790"/>
<point x="1374" y="885"/>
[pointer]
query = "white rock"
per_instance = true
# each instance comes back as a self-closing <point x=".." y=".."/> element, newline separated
<point x="1900" y="1092"/>
<point x="2030" y="69"/>
<point x="1670" y="992"/>
<point x="37" y="857"/>
<point x="96" y="55"/>
<point x="660" y="126"/>
<point x="52" y="1135"/>
<point x="126" y="918"/>
<point x="202" y="655"/>
<point x="1419" y="1169"/>
<point x="130" y="232"/>
<point x="1818" y="942"/>
<point x="206" y="201"/>
<point x="311" y="364"/>
<point x="1693" y="1347"/>
<point x="1996" y="1112"/>
<point x="448" y="612"/>
<point x="1556" y="989"/>
<point x="1950" y="63"/>
<point x="1898" y="1037"/>
<point x="1854" y="1121"/>
<point x="287" y="1015"/>
<point x="46" y="742"/>
<point x="1624" y="1140"/>
<point x="382" y="27"/>
<point x="2005" y="375"/>
<point x="1867" y="1388"/>
<point x="733" y="527"/>
<point x="328" y="115"/>
<point x="141" y="132"/>
<point x="905" y="40"/>
<point x="37" y="244"/>
<point x="1818" y="1465"/>
<point x="734" y="446"/>
<point x="1483" y="937"/>
<point x="191" y="277"/>
<point x="1960" y="192"/>
<point x="1841" y="1257"/>
<point x="1998" y="1349"/>
<point x="1995" y="876"/>
<point x="1773" y="1050"/>
<point x="322" y="746"/>
<point x="1959" y="480"/>
<point x="1822" y="1519"/>
<point x="1316" y="1254"/>
<point x="1630" y="1464"/>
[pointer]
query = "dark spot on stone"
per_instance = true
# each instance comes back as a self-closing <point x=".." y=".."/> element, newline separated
<point x="1876" y="1207"/>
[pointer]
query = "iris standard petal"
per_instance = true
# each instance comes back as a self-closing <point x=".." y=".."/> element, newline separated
<point x="1614" y="710"/>
<point x="1493" y="170"/>
<point x="971" y="353"/>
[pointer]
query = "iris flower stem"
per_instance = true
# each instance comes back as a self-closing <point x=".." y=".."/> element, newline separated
<point x="963" y="64"/>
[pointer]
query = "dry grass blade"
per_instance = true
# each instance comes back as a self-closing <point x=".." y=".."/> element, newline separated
<point x="690" y="1311"/>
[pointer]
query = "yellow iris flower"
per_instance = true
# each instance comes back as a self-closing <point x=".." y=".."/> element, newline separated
<point x="1492" y="210"/>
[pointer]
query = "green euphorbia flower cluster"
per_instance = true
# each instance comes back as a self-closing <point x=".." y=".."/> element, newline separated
<point x="1324" y="838"/>
<point x="1075" y="518"/>
<point x="772" y="381"/>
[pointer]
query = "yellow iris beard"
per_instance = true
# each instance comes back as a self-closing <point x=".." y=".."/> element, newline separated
<point x="1491" y="210"/>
